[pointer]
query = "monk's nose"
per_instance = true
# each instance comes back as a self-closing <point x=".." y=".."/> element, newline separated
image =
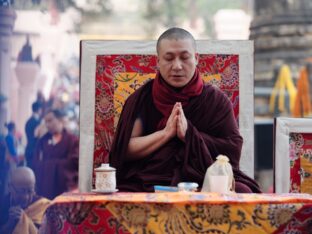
<point x="177" y="65"/>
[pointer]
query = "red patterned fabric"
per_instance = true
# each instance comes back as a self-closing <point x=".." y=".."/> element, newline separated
<point x="301" y="222"/>
<point x="118" y="71"/>
<point x="294" y="147"/>
<point x="81" y="217"/>
<point x="300" y="155"/>
<point x="179" y="213"/>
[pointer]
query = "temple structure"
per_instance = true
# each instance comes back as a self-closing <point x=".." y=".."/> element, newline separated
<point x="7" y="19"/>
<point x="282" y="31"/>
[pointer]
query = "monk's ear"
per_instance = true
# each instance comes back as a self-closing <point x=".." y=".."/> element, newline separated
<point x="196" y="58"/>
<point x="157" y="65"/>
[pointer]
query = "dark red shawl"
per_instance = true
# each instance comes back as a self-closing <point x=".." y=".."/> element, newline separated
<point x="164" y="96"/>
<point x="211" y="112"/>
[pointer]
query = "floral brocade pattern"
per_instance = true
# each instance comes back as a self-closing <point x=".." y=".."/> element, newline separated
<point x="180" y="213"/>
<point x="300" y="156"/>
<point x="81" y="217"/>
<point x="117" y="76"/>
<point x="105" y="180"/>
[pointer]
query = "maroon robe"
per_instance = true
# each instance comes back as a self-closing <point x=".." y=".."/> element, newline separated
<point x="55" y="165"/>
<point x="212" y="130"/>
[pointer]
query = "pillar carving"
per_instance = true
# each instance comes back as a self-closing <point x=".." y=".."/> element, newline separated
<point x="27" y="74"/>
<point x="7" y="19"/>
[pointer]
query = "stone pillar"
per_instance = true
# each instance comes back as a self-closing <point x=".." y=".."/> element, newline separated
<point x="282" y="32"/>
<point x="7" y="19"/>
<point x="27" y="74"/>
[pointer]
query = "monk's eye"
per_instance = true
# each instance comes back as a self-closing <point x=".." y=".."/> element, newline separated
<point x="185" y="57"/>
<point x="168" y="58"/>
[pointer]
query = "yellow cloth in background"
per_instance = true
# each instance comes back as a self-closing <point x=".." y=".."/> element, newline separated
<point x="32" y="215"/>
<point x="284" y="82"/>
<point x="302" y="106"/>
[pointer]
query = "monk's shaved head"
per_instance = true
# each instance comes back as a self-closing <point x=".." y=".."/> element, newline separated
<point x="175" y="34"/>
<point x="22" y="186"/>
<point x="22" y="175"/>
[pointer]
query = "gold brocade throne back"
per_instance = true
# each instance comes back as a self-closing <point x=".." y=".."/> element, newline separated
<point x="112" y="70"/>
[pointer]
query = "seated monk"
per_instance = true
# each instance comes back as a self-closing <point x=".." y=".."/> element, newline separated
<point x="173" y="127"/>
<point x="22" y="210"/>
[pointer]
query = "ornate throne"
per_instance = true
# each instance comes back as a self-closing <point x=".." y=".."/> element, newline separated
<point x="111" y="70"/>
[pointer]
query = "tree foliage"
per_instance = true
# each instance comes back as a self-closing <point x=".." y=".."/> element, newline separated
<point x="95" y="6"/>
<point x="168" y="13"/>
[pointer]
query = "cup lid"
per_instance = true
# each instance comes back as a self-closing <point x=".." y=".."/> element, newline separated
<point x="187" y="185"/>
<point x="105" y="167"/>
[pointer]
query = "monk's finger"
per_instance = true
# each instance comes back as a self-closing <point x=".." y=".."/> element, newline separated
<point x="176" y="108"/>
<point x="179" y="123"/>
<point x="181" y="130"/>
<point x="173" y="122"/>
<point x="182" y="121"/>
<point x="181" y="111"/>
<point x="171" y="127"/>
<point x="15" y="212"/>
<point x="173" y="113"/>
<point x="179" y="106"/>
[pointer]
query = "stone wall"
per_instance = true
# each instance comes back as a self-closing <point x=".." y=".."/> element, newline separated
<point x="282" y="32"/>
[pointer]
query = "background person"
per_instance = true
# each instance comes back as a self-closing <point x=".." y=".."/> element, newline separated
<point x="56" y="157"/>
<point x="30" y="128"/>
<point x="11" y="144"/>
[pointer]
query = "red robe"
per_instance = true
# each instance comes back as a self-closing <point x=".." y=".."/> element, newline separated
<point x="55" y="165"/>
<point x="212" y="130"/>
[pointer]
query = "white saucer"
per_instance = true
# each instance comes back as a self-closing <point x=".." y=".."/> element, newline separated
<point x="104" y="191"/>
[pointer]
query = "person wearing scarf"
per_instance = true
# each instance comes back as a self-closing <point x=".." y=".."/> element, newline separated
<point x="173" y="127"/>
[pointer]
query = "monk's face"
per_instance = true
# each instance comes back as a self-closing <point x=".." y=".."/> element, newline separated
<point x="53" y="124"/>
<point x="22" y="191"/>
<point x="177" y="61"/>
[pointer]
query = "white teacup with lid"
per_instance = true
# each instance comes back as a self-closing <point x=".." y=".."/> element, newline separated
<point x="105" y="178"/>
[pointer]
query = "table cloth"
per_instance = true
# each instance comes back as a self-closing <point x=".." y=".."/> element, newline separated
<point x="179" y="212"/>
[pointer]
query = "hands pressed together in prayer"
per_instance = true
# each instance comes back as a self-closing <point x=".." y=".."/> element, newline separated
<point x="142" y="146"/>
<point x="176" y="124"/>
